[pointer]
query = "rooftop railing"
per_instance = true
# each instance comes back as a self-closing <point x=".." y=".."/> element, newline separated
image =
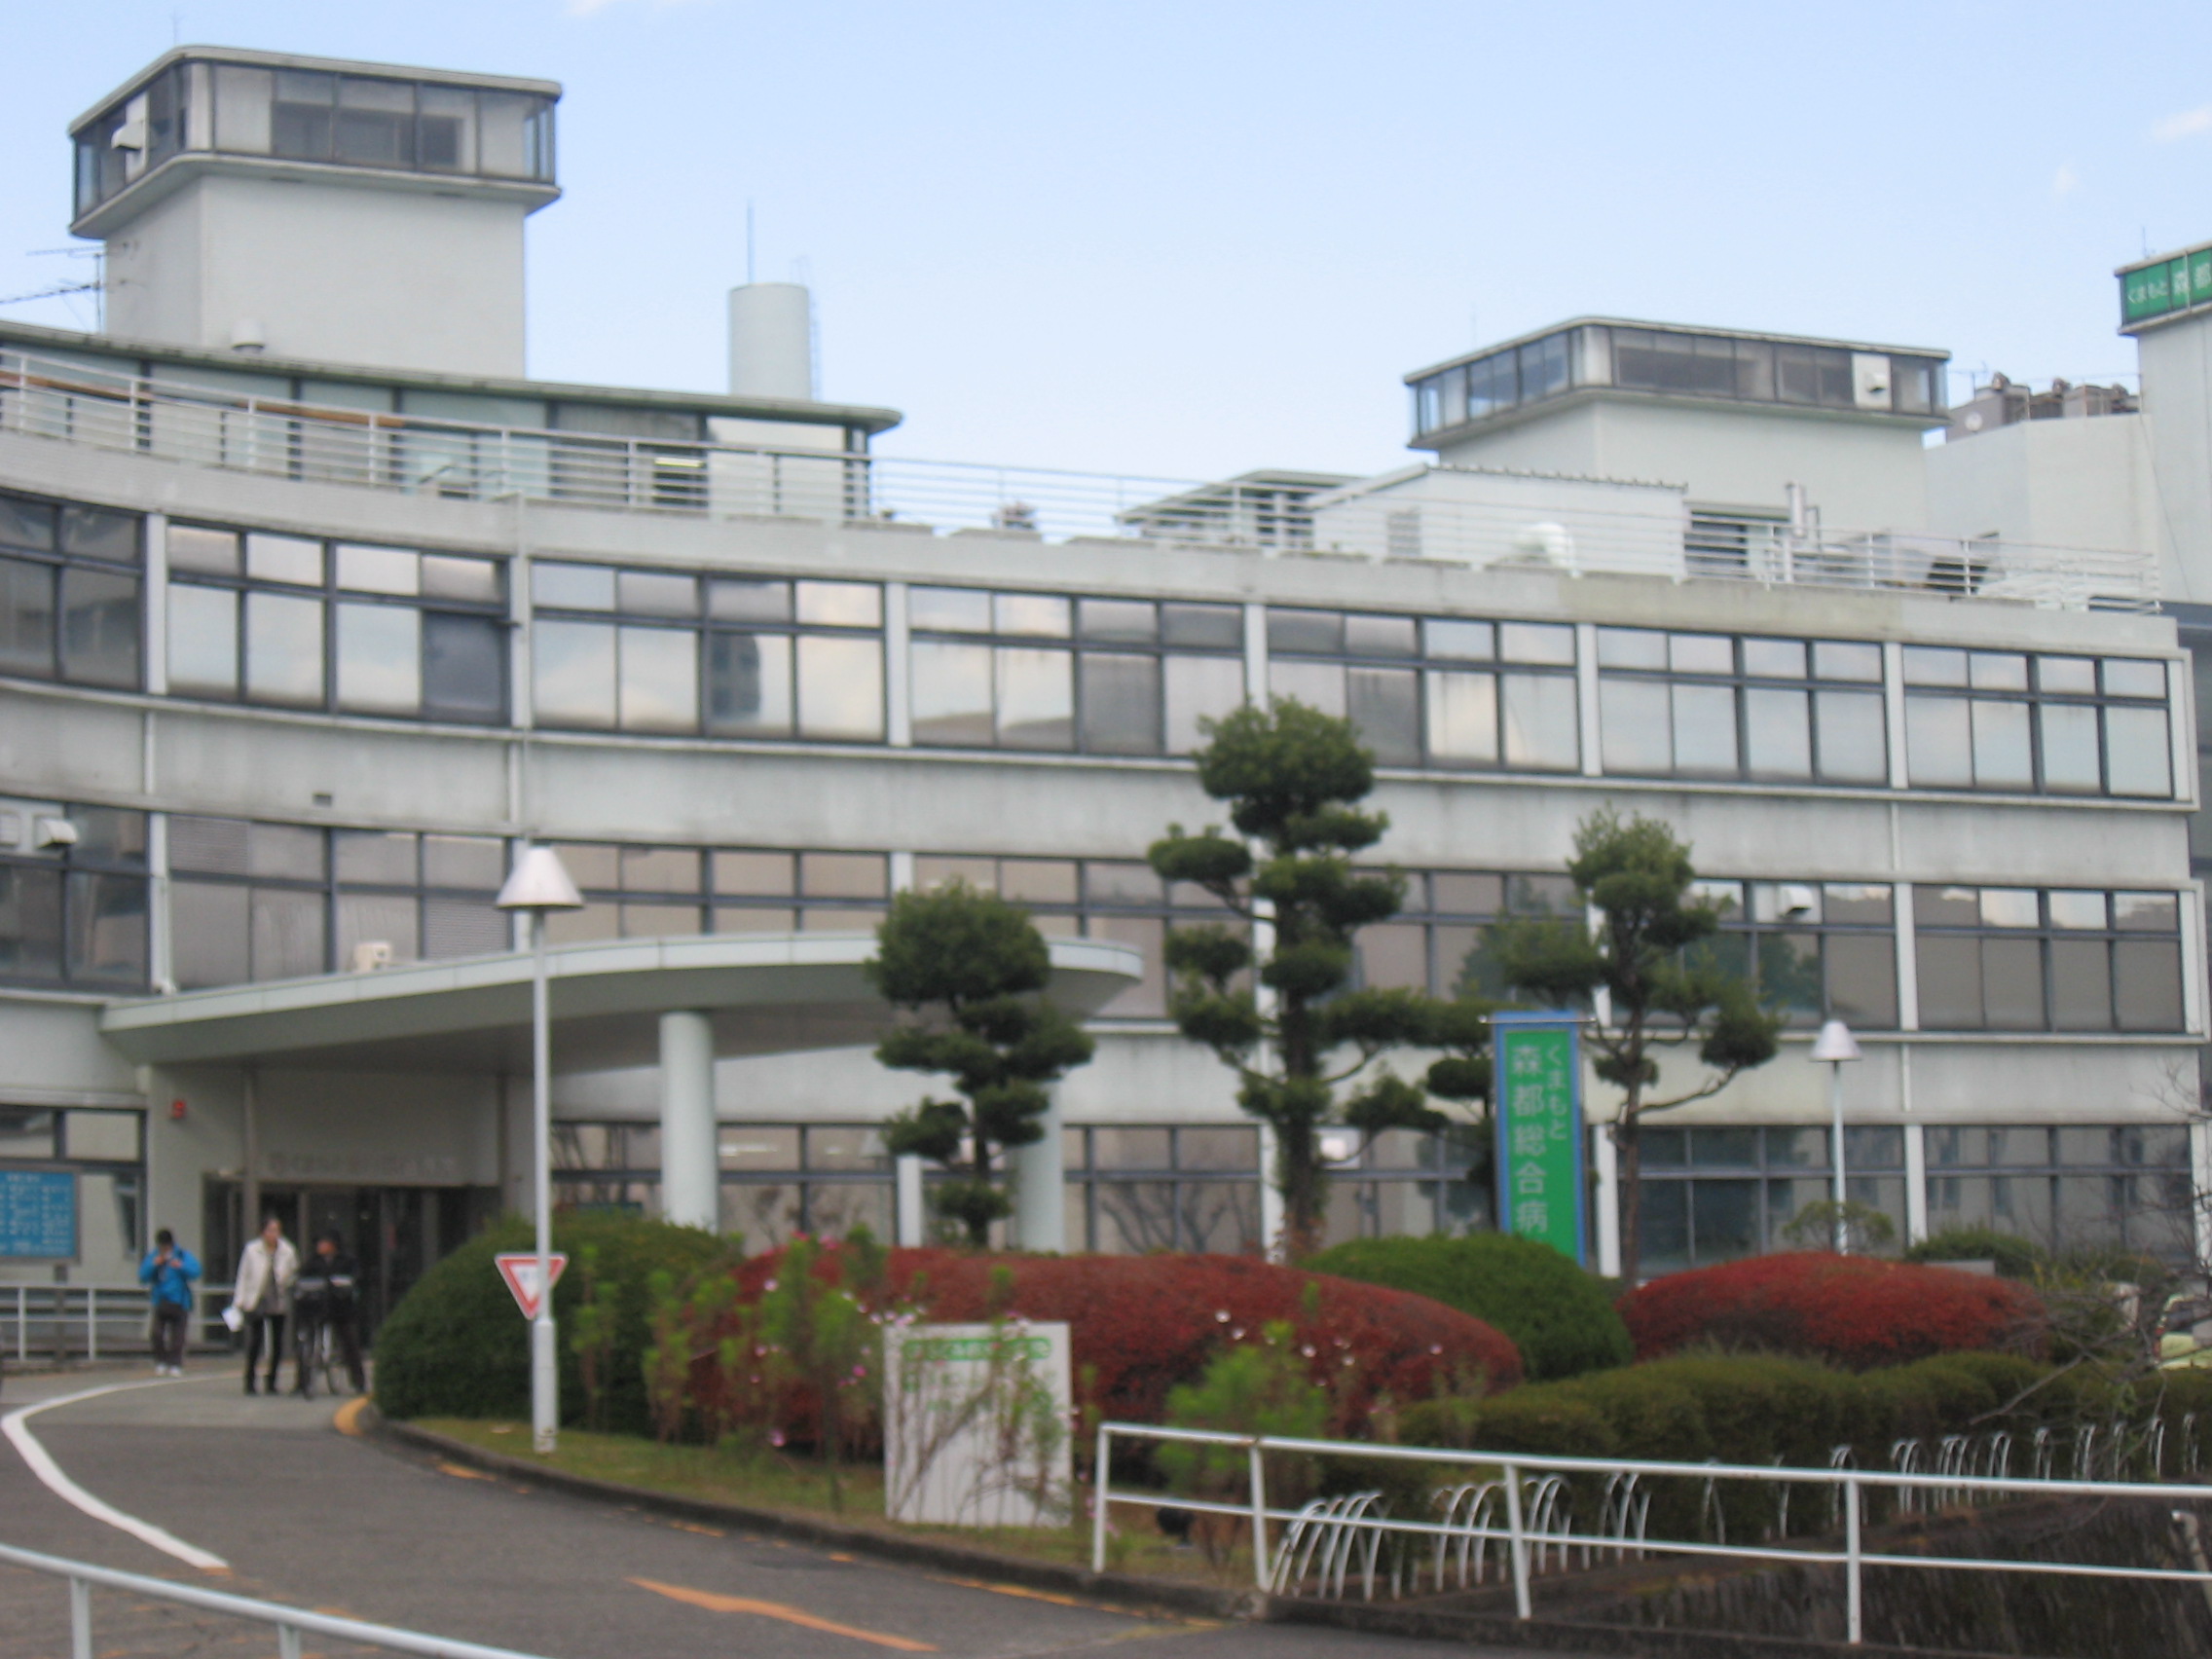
<point x="84" y="403"/>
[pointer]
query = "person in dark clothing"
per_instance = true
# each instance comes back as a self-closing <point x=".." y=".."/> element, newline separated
<point x="168" y="1273"/>
<point x="325" y="1296"/>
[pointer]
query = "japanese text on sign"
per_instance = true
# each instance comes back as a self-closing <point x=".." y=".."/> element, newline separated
<point x="1540" y="1131"/>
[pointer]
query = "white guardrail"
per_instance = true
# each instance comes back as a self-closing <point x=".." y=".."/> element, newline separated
<point x="1526" y="1506"/>
<point x="1571" y="526"/>
<point x="73" y="1321"/>
<point x="290" y="1622"/>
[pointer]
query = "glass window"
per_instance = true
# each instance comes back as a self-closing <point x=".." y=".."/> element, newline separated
<point x="750" y="601"/>
<point x="1775" y="659"/>
<point x="840" y="687"/>
<point x="2138" y="751"/>
<point x="659" y="689"/>
<point x="287" y="559"/>
<point x="841" y="604"/>
<point x="1121" y="702"/>
<point x="1777" y="731"/>
<point x="1030" y="613"/>
<point x="2070" y="759"/>
<point x="573" y="587"/>
<point x="1460" y="642"/>
<point x="1705" y="730"/>
<point x="1317" y="685"/>
<point x="1462" y="718"/>
<point x="284" y="648"/>
<point x="953" y="693"/>
<point x="2001" y="758"/>
<point x="1635" y="721"/>
<point x="379" y="658"/>
<point x="203" y="641"/>
<point x="1314" y="632"/>
<point x="1218" y="626"/>
<point x="99" y="627"/>
<point x="1939" y="741"/>
<point x="1196" y="691"/>
<point x="573" y="673"/>
<point x="1385" y="704"/>
<point x="1036" y="699"/>
<point x="1540" y="725"/>
<point x="1119" y="619"/>
<point x="1536" y="642"/>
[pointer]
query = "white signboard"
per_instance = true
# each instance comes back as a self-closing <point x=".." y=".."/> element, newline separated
<point x="975" y="1425"/>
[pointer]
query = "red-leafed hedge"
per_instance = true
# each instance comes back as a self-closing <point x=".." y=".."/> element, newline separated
<point x="1856" y="1312"/>
<point x="1139" y="1325"/>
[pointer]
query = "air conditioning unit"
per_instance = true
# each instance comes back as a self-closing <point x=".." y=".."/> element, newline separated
<point x="371" y="955"/>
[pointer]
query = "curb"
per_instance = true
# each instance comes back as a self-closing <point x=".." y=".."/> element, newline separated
<point x="1565" y="1635"/>
<point x="1122" y="1589"/>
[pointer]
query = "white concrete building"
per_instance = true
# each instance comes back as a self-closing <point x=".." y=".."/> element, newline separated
<point x="305" y="634"/>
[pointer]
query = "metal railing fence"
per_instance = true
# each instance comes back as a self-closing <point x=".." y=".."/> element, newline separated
<point x="83" y="1321"/>
<point x="77" y="401"/>
<point x="1527" y="1480"/>
<point x="291" y="1622"/>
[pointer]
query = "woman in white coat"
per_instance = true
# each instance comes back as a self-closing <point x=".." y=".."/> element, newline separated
<point x="262" y="1295"/>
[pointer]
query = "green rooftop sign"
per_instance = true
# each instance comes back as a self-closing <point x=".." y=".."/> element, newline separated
<point x="2179" y="283"/>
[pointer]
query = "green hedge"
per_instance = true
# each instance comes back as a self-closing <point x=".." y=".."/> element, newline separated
<point x="1558" y="1315"/>
<point x="1761" y="1407"/>
<point x="457" y="1345"/>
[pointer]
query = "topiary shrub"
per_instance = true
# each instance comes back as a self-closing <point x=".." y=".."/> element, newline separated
<point x="1852" y="1311"/>
<point x="1141" y="1325"/>
<point x="457" y="1347"/>
<point x="1559" y="1316"/>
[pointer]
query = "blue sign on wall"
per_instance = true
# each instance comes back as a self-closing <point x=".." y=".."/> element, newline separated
<point x="38" y="1213"/>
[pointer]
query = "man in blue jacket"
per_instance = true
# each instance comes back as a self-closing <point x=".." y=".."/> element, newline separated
<point x="168" y="1273"/>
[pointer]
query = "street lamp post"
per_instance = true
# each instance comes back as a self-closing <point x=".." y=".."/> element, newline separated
<point x="1836" y="1045"/>
<point x="537" y="885"/>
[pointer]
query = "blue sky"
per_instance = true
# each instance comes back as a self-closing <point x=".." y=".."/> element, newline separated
<point x="1190" y="239"/>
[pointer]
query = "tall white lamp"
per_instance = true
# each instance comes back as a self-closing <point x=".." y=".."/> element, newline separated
<point x="539" y="885"/>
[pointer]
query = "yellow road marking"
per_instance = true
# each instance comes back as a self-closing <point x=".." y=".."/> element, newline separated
<point x="1021" y="1590"/>
<point x="349" y="1418"/>
<point x="703" y="1531"/>
<point x="715" y="1604"/>
<point x="1027" y="1593"/>
<point x="459" y="1473"/>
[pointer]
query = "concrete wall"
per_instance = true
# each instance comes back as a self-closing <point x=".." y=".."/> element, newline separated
<point x="1862" y="473"/>
<point x="386" y="278"/>
<point x="2176" y="361"/>
<point x="2083" y="483"/>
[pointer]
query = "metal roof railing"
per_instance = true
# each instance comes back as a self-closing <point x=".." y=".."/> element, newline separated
<point x="82" y="402"/>
<point x="290" y="1622"/>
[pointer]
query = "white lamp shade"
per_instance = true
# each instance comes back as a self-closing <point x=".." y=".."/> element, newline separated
<point x="540" y="881"/>
<point x="1835" y="1043"/>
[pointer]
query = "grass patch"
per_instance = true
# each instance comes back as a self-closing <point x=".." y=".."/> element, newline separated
<point x="763" y="1479"/>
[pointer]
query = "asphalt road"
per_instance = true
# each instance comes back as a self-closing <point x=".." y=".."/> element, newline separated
<point x="308" y="1516"/>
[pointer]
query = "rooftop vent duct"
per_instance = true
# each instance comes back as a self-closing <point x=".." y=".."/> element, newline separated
<point x="771" y="341"/>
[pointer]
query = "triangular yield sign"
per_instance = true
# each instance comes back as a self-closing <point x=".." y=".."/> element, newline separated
<point x="520" y="1271"/>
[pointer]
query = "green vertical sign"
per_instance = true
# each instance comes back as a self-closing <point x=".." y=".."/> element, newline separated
<point x="1539" y="1071"/>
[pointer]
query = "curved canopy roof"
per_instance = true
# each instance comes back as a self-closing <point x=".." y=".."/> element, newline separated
<point x="767" y="993"/>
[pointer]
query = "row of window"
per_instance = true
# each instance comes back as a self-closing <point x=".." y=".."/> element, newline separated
<point x="1677" y="362"/>
<point x="1708" y="1195"/>
<point x="303" y="624"/>
<point x="253" y="901"/>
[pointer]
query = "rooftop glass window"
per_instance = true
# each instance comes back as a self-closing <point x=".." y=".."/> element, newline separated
<point x="357" y="120"/>
<point x="1681" y="363"/>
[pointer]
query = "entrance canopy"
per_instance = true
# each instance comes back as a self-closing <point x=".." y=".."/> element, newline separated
<point x="762" y="993"/>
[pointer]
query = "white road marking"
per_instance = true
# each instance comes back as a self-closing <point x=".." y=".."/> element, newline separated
<point x="16" y="1425"/>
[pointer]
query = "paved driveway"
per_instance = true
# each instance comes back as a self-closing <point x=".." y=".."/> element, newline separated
<point x="305" y="1515"/>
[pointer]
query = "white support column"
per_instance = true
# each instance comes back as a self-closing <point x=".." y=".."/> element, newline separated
<point x="1908" y="958"/>
<point x="898" y="658"/>
<point x="689" y="1176"/>
<point x="911" y="1224"/>
<point x="1892" y="703"/>
<point x="1040" y="1187"/>
<point x="1271" y="1196"/>
<point x="157" y="603"/>
<point x="1607" y="1198"/>
<point x="1586" y="697"/>
<point x="1915" y="1178"/>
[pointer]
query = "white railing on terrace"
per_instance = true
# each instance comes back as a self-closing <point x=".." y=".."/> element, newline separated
<point x="80" y="402"/>
<point x="1524" y="1505"/>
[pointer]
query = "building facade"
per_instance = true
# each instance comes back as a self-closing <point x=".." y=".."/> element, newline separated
<point x="301" y="650"/>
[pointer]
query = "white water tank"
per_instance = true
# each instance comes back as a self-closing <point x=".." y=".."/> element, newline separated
<point x="771" y="341"/>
